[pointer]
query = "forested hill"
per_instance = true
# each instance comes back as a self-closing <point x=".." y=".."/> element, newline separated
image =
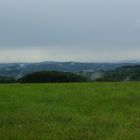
<point x="126" y="73"/>
<point x="20" y="69"/>
<point x="51" y="77"/>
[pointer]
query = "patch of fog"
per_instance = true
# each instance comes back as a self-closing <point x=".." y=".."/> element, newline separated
<point x="7" y="69"/>
<point x="89" y="70"/>
<point x="94" y="76"/>
<point x="127" y="78"/>
<point x="19" y="75"/>
<point x="22" y="65"/>
<point x="72" y="63"/>
<point x="61" y="65"/>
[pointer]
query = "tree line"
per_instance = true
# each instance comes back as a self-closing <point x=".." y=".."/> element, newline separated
<point x="45" y="77"/>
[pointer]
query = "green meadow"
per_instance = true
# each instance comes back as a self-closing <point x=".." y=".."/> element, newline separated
<point x="73" y="111"/>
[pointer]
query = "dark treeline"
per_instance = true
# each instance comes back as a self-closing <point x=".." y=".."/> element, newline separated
<point x="51" y="77"/>
<point x="7" y="80"/>
<point x="45" y="77"/>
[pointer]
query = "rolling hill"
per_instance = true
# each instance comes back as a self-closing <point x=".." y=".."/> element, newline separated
<point x="126" y="73"/>
<point x="18" y="70"/>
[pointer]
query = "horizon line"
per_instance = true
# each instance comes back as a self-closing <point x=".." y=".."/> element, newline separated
<point x="57" y="61"/>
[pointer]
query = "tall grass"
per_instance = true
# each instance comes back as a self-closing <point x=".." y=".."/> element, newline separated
<point x="80" y="111"/>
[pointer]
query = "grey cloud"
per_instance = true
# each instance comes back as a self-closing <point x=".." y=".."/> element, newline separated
<point x="95" y="25"/>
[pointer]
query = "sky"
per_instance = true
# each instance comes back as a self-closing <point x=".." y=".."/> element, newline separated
<point x="69" y="30"/>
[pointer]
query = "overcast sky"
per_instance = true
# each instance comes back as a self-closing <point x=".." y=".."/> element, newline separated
<point x="69" y="30"/>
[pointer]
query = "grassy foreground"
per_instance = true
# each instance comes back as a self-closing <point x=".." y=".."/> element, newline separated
<point x="86" y="111"/>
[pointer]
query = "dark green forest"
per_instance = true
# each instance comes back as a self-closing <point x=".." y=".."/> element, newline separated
<point x="51" y="77"/>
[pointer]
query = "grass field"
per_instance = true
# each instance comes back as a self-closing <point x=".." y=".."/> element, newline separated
<point x="84" y="111"/>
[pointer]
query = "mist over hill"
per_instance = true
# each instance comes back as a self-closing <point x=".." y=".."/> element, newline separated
<point x="125" y="73"/>
<point x="18" y="70"/>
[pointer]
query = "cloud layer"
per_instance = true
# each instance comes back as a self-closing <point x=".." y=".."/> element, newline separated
<point x="77" y="30"/>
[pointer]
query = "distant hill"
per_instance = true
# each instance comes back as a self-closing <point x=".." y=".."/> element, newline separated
<point x="18" y="70"/>
<point x="126" y="73"/>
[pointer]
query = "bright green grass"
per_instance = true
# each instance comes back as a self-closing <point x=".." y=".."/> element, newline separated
<point x="86" y="111"/>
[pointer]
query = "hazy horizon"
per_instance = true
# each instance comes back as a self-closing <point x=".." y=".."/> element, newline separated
<point x="76" y="30"/>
